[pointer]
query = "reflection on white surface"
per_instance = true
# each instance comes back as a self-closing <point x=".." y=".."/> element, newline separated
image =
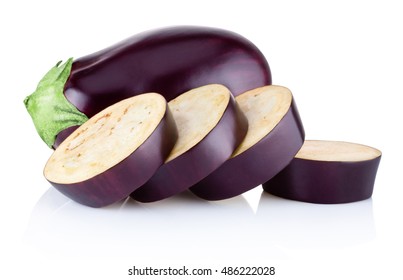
<point x="301" y="227"/>
<point x="179" y="227"/>
<point x="185" y="227"/>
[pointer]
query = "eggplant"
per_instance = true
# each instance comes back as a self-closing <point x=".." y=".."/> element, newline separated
<point x="210" y="127"/>
<point x="274" y="136"/>
<point x="328" y="172"/>
<point x="169" y="61"/>
<point x="114" y="152"/>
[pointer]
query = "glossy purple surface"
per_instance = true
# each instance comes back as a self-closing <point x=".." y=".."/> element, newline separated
<point x="168" y="61"/>
<point x="63" y="135"/>
<point x="325" y="182"/>
<point x="257" y="164"/>
<point x="120" y="180"/>
<point x="186" y="170"/>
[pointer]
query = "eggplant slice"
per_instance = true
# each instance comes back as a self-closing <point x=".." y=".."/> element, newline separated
<point x="210" y="127"/>
<point x="274" y="136"/>
<point x="114" y="152"/>
<point x="328" y="172"/>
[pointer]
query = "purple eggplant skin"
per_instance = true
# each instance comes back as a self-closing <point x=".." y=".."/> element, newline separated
<point x="257" y="164"/>
<point x="122" y="179"/>
<point x="168" y="61"/>
<point x="62" y="135"/>
<point x="189" y="168"/>
<point x="325" y="182"/>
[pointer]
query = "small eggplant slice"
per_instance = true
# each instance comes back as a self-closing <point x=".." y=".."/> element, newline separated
<point x="274" y="136"/>
<point x="328" y="172"/>
<point x="114" y="152"/>
<point x="210" y="127"/>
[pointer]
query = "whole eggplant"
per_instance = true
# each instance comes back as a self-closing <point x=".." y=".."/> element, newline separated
<point x="168" y="61"/>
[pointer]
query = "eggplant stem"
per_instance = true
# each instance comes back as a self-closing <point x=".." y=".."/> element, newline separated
<point x="50" y="111"/>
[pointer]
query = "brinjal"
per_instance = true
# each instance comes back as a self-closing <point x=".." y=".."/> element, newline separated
<point x="210" y="126"/>
<point x="328" y="172"/>
<point x="274" y="136"/>
<point x="169" y="61"/>
<point x="114" y="152"/>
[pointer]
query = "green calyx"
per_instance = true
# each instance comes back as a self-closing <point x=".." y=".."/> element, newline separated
<point x="50" y="111"/>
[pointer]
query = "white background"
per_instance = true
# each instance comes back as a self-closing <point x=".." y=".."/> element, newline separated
<point x="342" y="60"/>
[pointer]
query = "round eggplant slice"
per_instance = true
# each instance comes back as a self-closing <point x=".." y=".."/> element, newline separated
<point x="274" y="136"/>
<point x="114" y="152"/>
<point x="328" y="172"/>
<point x="210" y="127"/>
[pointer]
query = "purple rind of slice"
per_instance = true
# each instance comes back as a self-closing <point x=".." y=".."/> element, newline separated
<point x="193" y="164"/>
<point x="114" y="167"/>
<point x="254" y="163"/>
<point x="347" y="175"/>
